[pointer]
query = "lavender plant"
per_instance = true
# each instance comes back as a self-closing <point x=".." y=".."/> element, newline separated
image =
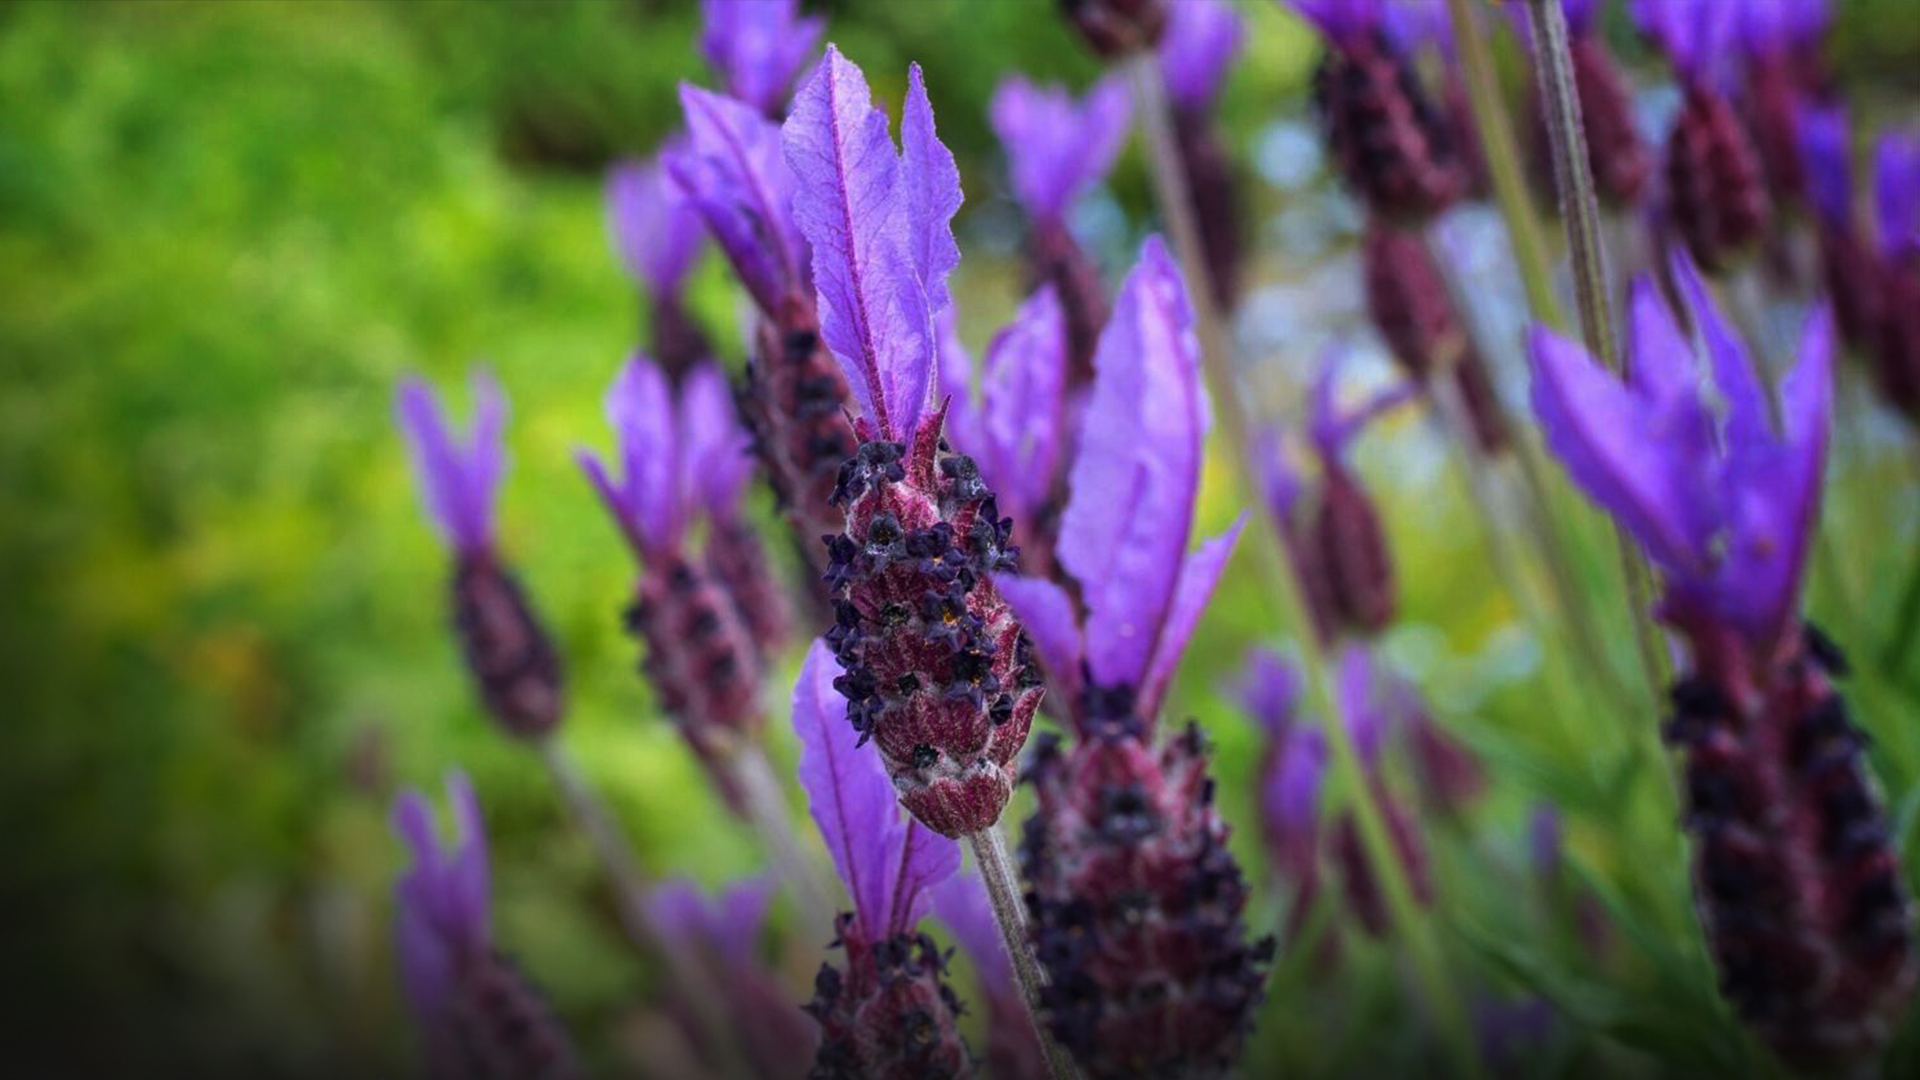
<point x="1134" y="901"/>
<point x="1850" y="266"/>
<point x="887" y="1011"/>
<point x="756" y="48"/>
<point x="658" y="237"/>
<point x="478" y="1016"/>
<point x="1798" y="886"/>
<point x="1780" y="45"/>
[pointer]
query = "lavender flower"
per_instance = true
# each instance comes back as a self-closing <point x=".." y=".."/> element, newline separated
<point x="1134" y="902"/>
<point x="1360" y="691"/>
<point x="757" y="47"/>
<point x="720" y="465"/>
<point x="1114" y="29"/>
<point x="1897" y="190"/>
<point x="1805" y="907"/>
<point x="1715" y="183"/>
<point x="1201" y="40"/>
<point x="700" y="654"/>
<point x="1775" y="36"/>
<point x="1057" y="148"/>
<point x="658" y="236"/>
<point x="1293" y="769"/>
<point x="478" y="1015"/>
<point x="1851" y="268"/>
<point x="1617" y="156"/>
<point x="935" y="664"/>
<point x="888" y="1012"/>
<point x="512" y="658"/>
<point x="1012" y="1052"/>
<point x="1390" y="143"/>
<point x="720" y="933"/>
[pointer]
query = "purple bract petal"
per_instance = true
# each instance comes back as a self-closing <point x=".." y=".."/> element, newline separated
<point x="650" y="499"/>
<point x="1290" y="794"/>
<point x="1047" y="612"/>
<point x="1137" y="472"/>
<point x="1056" y="147"/>
<point x="735" y="174"/>
<point x="757" y="46"/>
<point x="727" y="926"/>
<point x="440" y="903"/>
<point x="1747" y="419"/>
<point x="1341" y="20"/>
<point x="655" y="229"/>
<point x="1199" y="574"/>
<point x="1826" y="155"/>
<point x="1770" y="27"/>
<point x="1197" y="49"/>
<point x="1331" y="428"/>
<point x="1019" y="437"/>
<point x="1269" y="687"/>
<point x="1896" y="182"/>
<point x="716" y="449"/>
<point x="1694" y="34"/>
<point x="882" y="243"/>
<point x="1362" y="708"/>
<point x="457" y="481"/>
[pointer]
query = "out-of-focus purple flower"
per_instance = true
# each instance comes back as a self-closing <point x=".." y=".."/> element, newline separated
<point x="1342" y="21"/>
<point x="1513" y="1034"/>
<point x="1197" y="51"/>
<point x="1449" y="776"/>
<point x="1293" y="769"/>
<point x="1545" y="842"/>
<point x="1724" y="507"/>
<point x="655" y="229"/>
<point x="651" y="501"/>
<point x="1769" y="27"/>
<point x="1357" y="688"/>
<point x="1115" y="29"/>
<point x="718" y="449"/>
<point x="458" y="481"/>
<point x="757" y="47"/>
<point x="888" y="1012"/>
<point x="733" y="170"/>
<point x="962" y="903"/>
<point x="1269" y="688"/>
<point x="1826" y="152"/>
<point x="1897" y="193"/>
<point x="1023" y="406"/>
<point x="727" y="925"/>
<point x="1696" y="37"/>
<point x="478" y="1015"/>
<point x="1057" y="148"/>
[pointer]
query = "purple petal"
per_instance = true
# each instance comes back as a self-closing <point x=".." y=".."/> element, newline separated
<point x="1023" y="405"/>
<point x="1356" y="689"/>
<point x="1199" y="573"/>
<point x="1269" y="687"/>
<point x="1046" y="611"/>
<point x="1058" y="148"/>
<point x="1134" y="481"/>
<point x="1733" y="373"/>
<point x="961" y="902"/>
<point x="1695" y="35"/>
<point x="1280" y="482"/>
<point x="734" y="172"/>
<point x="650" y="499"/>
<point x="922" y="860"/>
<point x="1897" y="193"/>
<point x="852" y="800"/>
<point x="874" y="310"/>
<point x="932" y="182"/>
<point x="1331" y="428"/>
<point x="1826" y="154"/>
<point x="1618" y="451"/>
<point x="1341" y="20"/>
<point x="717" y="449"/>
<point x="655" y="228"/>
<point x="1197" y="49"/>
<point x="441" y="907"/>
<point x="757" y="46"/>
<point x="1771" y="27"/>
<point x="1290" y="795"/>
<point x="458" y="482"/>
<point x="727" y="926"/>
<point x="1659" y="356"/>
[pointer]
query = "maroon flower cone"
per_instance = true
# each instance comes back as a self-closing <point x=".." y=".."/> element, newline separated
<point x="1853" y="278"/>
<point x="1772" y="103"/>
<point x="1717" y="190"/>
<point x="1486" y="415"/>
<point x="1389" y="141"/>
<point x="1136" y="903"/>
<point x="1409" y="302"/>
<point x="1797" y="881"/>
<point x="1055" y="258"/>
<point x="1618" y="157"/>
<point x="1353" y="554"/>
<point x="891" y="1015"/>
<point x="937" y="669"/>
<point x="1117" y="28"/>
<point x="498" y="1026"/>
<point x="736" y="558"/>
<point x="510" y="654"/>
<point x="795" y="404"/>
<point x="677" y="341"/>
<point x="1216" y="203"/>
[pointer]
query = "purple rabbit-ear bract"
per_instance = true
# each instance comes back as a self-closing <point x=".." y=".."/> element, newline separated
<point x="1896" y="184"/>
<point x="656" y="231"/>
<point x="1826" y="157"/>
<point x="1269" y="687"/>
<point x="1280" y="481"/>
<point x="734" y="172"/>
<point x="441" y="905"/>
<point x="1768" y="27"/>
<point x="1199" y="574"/>
<point x="650" y="498"/>
<point x="879" y="225"/>
<point x="887" y="860"/>
<point x="1137" y="473"/>
<point x="1197" y="50"/>
<point x="1018" y="435"/>
<point x="1694" y="35"/>
<point x="1290" y="791"/>
<point x="1331" y="428"/>
<point x="727" y="926"/>
<point x="716" y="449"/>
<point x="1057" y="148"/>
<point x="757" y="47"/>
<point x="458" y="482"/>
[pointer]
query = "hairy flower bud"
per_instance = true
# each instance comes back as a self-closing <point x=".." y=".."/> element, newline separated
<point x="510" y="654"/>
<point x="1117" y="28"/>
<point x="890" y="1014"/>
<point x="1797" y="880"/>
<point x="796" y="407"/>
<point x="1390" y="143"/>
<point x="937" y="669"/>
<point x="1717" y="191"/>
<point x="1135" y="904"/>
<point x="1055" y="258"/>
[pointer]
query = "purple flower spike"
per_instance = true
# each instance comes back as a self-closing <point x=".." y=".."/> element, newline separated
<point x="1057" y="148"/>
<point x="882" y="243"/>
<point x="1897" y="193"/>
<point x="478" y="1015"/>
<point x="756" y="47"/>
<point x="890" y="863"/>
<point x="733" y="170"/>
<point x="1825" y="154"/>
<point x="655" y="229"/>
<point x="458" y="481"/>
<point x="1197" y="51"/>
<point x="1695" y="36"/>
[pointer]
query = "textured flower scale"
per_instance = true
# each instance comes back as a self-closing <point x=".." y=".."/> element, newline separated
<point x="796" y="407"/>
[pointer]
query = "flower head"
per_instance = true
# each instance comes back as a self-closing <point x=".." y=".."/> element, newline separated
<point x="1695" y="36"/>
<point x="1724" y="503"/>
<point x="1058" y="147"/>
<point x="1197" y="51"/>
<point x="756" y="47"/>
<point x="459" y="481"/>
<point x="655" y="229"/>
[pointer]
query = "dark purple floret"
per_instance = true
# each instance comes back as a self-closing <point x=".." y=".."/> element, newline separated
<point x="890" y="1014"/>
<point x="1390" y="143"/>
<point x="510" y="654"/>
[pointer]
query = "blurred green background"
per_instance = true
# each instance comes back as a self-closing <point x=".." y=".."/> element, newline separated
<point x="226" y="229"/>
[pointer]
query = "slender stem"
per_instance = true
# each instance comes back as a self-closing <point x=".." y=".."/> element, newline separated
<point x="767" y="811"/>
<point x="1172" y="193"/>
<point x="990" y="853"/>
<point x="1580" y="211"/>
<point x="1502" y="154"/>
<point x="1905" y="622"/>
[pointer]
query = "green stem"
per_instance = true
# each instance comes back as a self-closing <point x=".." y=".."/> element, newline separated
<point x="1172" y="193"/>
<point x="1003" y="892"/>
<point x="1905" y="622"/>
